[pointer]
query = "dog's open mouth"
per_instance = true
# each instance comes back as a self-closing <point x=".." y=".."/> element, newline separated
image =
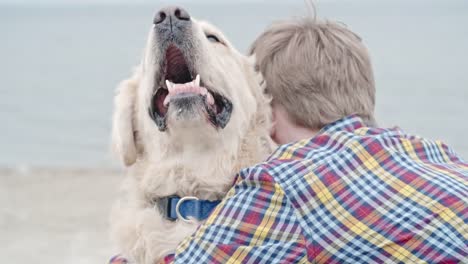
<point x="180" y="85"/>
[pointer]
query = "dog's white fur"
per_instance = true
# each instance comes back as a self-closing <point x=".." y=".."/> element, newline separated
<point x="192" y="158"/>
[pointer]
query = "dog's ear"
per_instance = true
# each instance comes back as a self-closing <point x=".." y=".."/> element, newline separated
<point x="263" y="114"/>
<point x="258" y="84"/>
<point x="123" y="123"/>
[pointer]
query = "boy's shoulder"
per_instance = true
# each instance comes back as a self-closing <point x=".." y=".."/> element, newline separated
<point x="349" y="147"/>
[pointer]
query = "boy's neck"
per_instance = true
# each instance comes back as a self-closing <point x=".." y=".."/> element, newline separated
<point x="289" y="133"/>
<point x="285" y="130"/>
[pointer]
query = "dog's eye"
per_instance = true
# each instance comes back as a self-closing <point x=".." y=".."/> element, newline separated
<point x="213" y="38"/>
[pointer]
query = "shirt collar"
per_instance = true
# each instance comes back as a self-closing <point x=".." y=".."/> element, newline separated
<point x="347" y="124"/>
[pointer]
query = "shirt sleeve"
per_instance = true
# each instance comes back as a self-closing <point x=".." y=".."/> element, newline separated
<point x="255" y="223"/>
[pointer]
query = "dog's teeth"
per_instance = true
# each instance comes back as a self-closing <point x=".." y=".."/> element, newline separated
<point x="169" y="85"/>
<point x="210" y="99"/>
<point x="197" y="80"/>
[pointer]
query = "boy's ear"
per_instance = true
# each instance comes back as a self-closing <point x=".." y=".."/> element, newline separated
<point x="123" y="127"/>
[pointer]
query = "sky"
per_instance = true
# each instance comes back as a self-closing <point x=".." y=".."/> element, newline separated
<point x="99" y="2"/>
<point x="74" y="2"/>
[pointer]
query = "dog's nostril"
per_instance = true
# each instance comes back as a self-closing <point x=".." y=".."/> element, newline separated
<point x="160" y="17"/>
<point x="181" y="14"/>
<point x="172" y="13"/>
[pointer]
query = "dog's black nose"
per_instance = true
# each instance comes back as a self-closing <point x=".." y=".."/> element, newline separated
<point x="177" y="13"/>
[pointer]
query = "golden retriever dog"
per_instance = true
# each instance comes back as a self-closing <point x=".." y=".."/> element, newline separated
<point x="192" y="115"/>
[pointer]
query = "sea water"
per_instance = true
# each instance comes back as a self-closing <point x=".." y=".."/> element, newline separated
<point x="60" y="64"/>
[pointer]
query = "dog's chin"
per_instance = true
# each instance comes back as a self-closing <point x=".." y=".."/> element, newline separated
<point x="188" y="126"/>
<point x="188" y="111"/>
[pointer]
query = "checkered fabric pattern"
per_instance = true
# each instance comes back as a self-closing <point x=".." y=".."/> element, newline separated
<point x="351" y="194"/>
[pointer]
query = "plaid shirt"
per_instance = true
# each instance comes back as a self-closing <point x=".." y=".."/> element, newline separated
<point x="351" y="194"/>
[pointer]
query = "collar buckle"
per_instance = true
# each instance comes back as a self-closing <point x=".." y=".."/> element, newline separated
<point x="163" y="205"/>
<point x="187" y="209"/>
<point x="179" y="203"/>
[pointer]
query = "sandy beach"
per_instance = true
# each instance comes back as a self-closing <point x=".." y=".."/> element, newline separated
<point x="56" y="215"/>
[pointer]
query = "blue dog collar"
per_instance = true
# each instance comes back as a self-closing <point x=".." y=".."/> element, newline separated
<point x="185" y="208"/>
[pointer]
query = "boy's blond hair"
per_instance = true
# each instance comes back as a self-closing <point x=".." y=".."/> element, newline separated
<point x="319" y="71"/>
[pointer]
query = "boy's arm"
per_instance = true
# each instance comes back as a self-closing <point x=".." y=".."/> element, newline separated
<point x="254" y="223"/>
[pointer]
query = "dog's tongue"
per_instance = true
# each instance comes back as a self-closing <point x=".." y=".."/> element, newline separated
<point x="192" y="87"/>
